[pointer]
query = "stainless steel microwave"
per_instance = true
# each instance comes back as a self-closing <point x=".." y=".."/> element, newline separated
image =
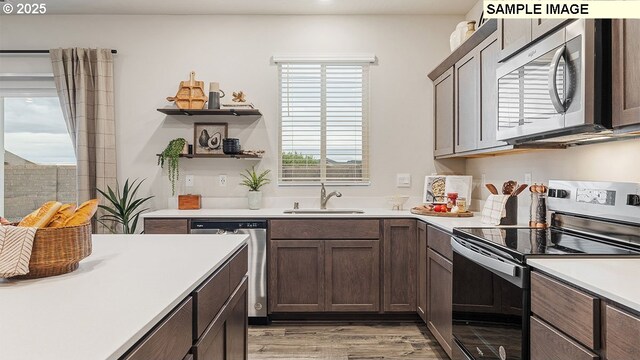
<point x="558" y="89"/>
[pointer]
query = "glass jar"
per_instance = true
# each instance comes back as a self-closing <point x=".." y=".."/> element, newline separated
<point x="461" y="203"/>
<point x="451" y="200"/>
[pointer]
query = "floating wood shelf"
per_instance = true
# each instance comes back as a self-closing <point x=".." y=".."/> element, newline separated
<point x="253" y="113"/>
<point x="220" y="156"/>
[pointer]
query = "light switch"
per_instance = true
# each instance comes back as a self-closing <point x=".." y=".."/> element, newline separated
<point x="403" y="180"/>
<point x="527" y="178"/>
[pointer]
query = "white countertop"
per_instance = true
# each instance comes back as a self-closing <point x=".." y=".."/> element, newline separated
<point x="116" y="296"/>
<point x="612" y="278"/>
<point x="445" y="223"/>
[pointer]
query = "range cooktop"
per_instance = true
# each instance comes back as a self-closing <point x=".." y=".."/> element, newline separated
<point x="522" y="242"/>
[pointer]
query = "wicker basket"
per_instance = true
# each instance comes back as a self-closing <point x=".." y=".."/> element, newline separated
<point x="58" y="251"/>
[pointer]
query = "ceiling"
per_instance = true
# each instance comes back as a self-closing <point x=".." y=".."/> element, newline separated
<point x="252" y="7"/>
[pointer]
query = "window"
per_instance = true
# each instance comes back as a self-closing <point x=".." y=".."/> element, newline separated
<point x="39" y="159"/>
<point x="323" y="122"/>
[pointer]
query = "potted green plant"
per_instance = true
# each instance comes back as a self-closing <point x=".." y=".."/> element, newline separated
<point x="124" y="208"/>
<point x="171" y="154"/>
<point x="254" y="182"/>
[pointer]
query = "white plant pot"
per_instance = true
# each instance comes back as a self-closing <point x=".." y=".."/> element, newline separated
<point x="255" y="200"/>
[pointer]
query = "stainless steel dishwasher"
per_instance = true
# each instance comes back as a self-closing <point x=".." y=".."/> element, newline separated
<point x="257" y="231"/>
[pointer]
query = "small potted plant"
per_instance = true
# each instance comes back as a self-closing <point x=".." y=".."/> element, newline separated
<point x="254" y="182"/>
<point x="171" y="154"/>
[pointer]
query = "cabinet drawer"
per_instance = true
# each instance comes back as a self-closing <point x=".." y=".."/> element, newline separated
<point x="188" y="357"/>
<point x="622" y="334"/>
<point x="166" y="226"/>
<point x="325" y="229"/>
<point x="440" y="242"/>
<point x="238" y="267"/>
<point x="170" y="340"/>
<point x="571" y="311"/>
<point x="212" y="343"/>
<point x="549" y="343"/>
<point x="209" y="298"/>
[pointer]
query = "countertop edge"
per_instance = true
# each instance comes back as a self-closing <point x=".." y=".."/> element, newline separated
<point x="157" y="319"/>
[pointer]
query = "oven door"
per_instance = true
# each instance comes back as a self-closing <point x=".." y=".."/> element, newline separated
<point x="540" y="90"/>
<point x="490" y="304"/>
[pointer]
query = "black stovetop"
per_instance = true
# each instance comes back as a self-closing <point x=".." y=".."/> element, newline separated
<point x="523" y="242"/>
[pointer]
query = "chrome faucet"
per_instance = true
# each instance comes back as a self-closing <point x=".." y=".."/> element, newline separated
<point x="324" y="197"/>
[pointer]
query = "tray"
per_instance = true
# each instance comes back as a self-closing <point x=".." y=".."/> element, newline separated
<point x="421" y="210"/>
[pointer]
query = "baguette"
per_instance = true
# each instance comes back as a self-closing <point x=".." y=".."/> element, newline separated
<point x="62" y="215"/>
<point x="83" y="213"/>
<point x="41" y="217"/>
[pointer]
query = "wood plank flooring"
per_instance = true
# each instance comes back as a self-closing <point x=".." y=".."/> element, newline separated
<point x="343" y="341"/>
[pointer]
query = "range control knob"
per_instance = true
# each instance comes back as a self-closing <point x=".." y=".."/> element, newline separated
<point x="633" y="200"/>
<point x="558" y="193"/>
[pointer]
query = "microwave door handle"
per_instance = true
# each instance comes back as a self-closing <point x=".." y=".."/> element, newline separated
<point x="490" y="263"/>
<point x="553" y="87"/>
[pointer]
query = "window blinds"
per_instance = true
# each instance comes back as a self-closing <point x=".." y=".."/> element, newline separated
<point x="323" y="122"/>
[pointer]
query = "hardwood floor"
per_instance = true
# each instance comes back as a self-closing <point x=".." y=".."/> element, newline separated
<point x="343" y="341"/>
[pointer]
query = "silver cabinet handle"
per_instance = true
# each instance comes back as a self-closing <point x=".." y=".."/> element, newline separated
<point x="490" y="263"/>
<point x="558" y="104"/>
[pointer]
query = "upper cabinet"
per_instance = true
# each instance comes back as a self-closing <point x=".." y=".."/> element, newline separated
<point x="626" y="73"/>
<point x="514" y="34"/>
<point x="541" y="27"/>
<point x="467" y="102"/>
<point x="443" y="89"/>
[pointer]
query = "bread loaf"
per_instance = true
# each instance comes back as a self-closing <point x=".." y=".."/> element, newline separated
<point x="41" y="217"/>
<point x="83" y="213"/>
<point x="62" y="215"/>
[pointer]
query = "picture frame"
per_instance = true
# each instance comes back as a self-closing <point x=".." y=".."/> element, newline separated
<point x="207" y="138"/>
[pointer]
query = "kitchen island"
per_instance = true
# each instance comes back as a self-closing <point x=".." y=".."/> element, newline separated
<point x="129" y="286"/>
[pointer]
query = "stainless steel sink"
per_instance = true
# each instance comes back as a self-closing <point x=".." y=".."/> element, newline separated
<point x="324" y="211"/>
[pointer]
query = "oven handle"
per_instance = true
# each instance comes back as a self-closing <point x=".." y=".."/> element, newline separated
<point x="558" y="104"/>
<point x="490" y="263"/>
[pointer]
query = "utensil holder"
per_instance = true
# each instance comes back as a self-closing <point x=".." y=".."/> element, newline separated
<point x="511" y="210"/>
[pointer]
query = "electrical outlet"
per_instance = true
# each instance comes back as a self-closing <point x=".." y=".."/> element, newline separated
<point x="527" y="178"/>
<point x="222" y="180"/>
<point x="189" y="180"/>
<point x="403" y="180"/>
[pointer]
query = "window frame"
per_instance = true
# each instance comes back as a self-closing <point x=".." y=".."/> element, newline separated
<point x="324" y="61"/>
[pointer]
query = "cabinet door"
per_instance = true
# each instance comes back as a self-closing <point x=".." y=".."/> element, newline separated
<point x="443" y="89"/>
<point x="488" y="62"/>
<point x="166" y="226"/>
<point x="626" y="72"/>
<point x="467" y="105"/>
<point x="541" y="27"/>
<point x="296" y="276"/>
<point x="352" y="275"/>
<point x="439" y="292"/>
<point x="622" y="334"/>
<point x="400" y="265"/>
<point x="237" y="328"/>
<point x="514" y="34"/>
<point x="422" y="271"/>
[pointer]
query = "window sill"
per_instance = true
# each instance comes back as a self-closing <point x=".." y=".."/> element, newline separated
<point x="326" y="183"/>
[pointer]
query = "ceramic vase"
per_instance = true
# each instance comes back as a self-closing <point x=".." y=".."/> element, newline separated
<point x="255" y="200"/>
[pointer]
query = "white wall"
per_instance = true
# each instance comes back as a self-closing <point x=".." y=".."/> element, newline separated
<point x="156" y="52"/>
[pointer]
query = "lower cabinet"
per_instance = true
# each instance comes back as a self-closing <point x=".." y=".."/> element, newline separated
<point x="622" y="334"/>
<point x="439" y="298"/>
<point x="225" y="338"/>
<point x="422" y="271"/>
<point x="166" y="226"/>
<point x="400" y="265"/>
<point x="324" y="276"/>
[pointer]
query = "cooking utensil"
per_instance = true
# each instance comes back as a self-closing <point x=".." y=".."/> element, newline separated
<point x="520" y="189"/>
<point x="492" y="189"/>
<point x="508" y="187"/>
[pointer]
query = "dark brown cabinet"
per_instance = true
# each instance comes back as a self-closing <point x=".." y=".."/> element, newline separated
<point x="444" y="113"/>
<point x="422" y="271"/>
<point x="513" y="34"/>
<point x="439" y="298"/>
<point x="622" y="334"/>
<point x="166" y="226"/>
<point x="296" y="276"/>
<point x="352" y="272"/>
<point x="626" y="72"/>
<point x="400" y="265"/>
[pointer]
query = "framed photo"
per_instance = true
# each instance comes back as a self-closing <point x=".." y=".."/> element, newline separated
<point x="207" y="138"/>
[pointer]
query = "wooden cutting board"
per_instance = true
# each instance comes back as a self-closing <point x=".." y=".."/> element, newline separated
<point x="189" y="202"/>
<point x="421" y="210"/>
<point x="190" y="94"/>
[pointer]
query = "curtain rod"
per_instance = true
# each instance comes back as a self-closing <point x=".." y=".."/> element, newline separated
<point x="34" y="51"/>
